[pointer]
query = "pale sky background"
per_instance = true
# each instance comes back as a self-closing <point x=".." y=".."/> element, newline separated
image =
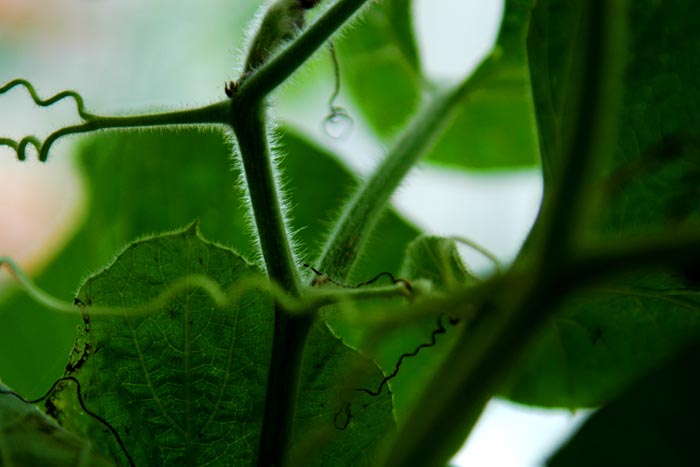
<point x="98" y="48"/>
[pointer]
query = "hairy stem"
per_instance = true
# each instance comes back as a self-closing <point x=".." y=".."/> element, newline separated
<point x="519" y="307"/>
<point x="290" y="331"/>
<point x="212" y="114"/>
<point x="277" y="70"/>
<point x="365" y="208"/>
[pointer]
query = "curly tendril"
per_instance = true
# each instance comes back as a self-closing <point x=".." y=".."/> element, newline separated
<point x="218" y="113"/>
<point x="20" y="147"/>
<point x="80" y="105"/>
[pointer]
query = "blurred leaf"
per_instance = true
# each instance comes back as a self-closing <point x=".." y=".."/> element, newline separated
<point x="554" y="45"/>
<point x="145" y="182"/>
<point x="437" y="260"/>
<point x="380" y="66"/>
<point x="496" y="127"/>
<point x="623" y="327"/>
<point x="400" y="15"/>
<point x="186" y="383"/>
<point x="654" y="422"/>
<point x="604" y="337"/>
<point x="28" y="437"/>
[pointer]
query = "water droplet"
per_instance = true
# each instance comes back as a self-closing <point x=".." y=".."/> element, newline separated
<point x="338" y="124"/>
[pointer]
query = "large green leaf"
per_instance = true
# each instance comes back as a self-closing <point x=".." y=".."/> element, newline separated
<point x="622" y="327"/>
<point x="495" y="127"/>
<point x="186" y="383"/>
<point x="654" y="422"/>
<point x="380" y="65"/>
<point x="139" y="183"/>
<point x="29" y="437"/>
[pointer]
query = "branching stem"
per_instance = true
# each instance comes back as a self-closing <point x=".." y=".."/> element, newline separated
<point x="266" y="78"/>
<point x="290" y="331"/>
<point x="504" y="325"/>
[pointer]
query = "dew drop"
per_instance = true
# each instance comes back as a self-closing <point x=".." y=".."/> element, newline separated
<point x="338" y="124"/>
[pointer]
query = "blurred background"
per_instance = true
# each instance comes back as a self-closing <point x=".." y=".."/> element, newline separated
<point x="132" y="56"/>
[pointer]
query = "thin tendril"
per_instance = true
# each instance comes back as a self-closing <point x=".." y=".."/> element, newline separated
<point x="475" y="246"/>
<point x="20" y="147"/>
<point x="217" y="113"/>
<point x="336" y="75"/>
<point x="343" y="416"/>
<point x="336" y="113"/>
<point x="80" y="105"/>
<point x="326" y="278"/>
<point x="92" y="414"/>
<point x="221" y="298"/>
<point x="440" y="329"/>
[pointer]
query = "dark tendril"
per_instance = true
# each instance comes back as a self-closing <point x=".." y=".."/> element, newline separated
<point x="92" y="414"/>
<point x="20" y="147"/>
<point x="322" y="278"/>
<point x="338" y="123"/>
<point x="433" y="340"/>
<point x="346" y="409"/>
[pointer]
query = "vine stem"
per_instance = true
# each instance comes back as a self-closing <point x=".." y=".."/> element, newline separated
<point x="210" y="114"/>
<point x="312" y="300"/>
<point x="215" y="113"/>
<point x="506" y="323"/>
<point x="367" y="205"/>
<point x="290" y="331"/>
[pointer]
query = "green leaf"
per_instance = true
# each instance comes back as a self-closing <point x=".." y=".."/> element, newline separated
<point x="186" y="383"/>
<point x="654" y="422"/>
<point x="29" y="437"/>
<point x="622" y="327"/>
<point x="136" y="184"/>
<point x="139" y="183"/>
<point x="380" y="65"/>
<point x="329" y="399"/>
<point x="495" y="129"/>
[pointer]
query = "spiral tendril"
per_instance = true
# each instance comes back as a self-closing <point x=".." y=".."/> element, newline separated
<point x="80" y="105"/>
<point x="20" y="147"/>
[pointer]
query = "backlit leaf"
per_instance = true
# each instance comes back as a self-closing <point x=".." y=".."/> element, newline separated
<point x="186" y="383"/>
